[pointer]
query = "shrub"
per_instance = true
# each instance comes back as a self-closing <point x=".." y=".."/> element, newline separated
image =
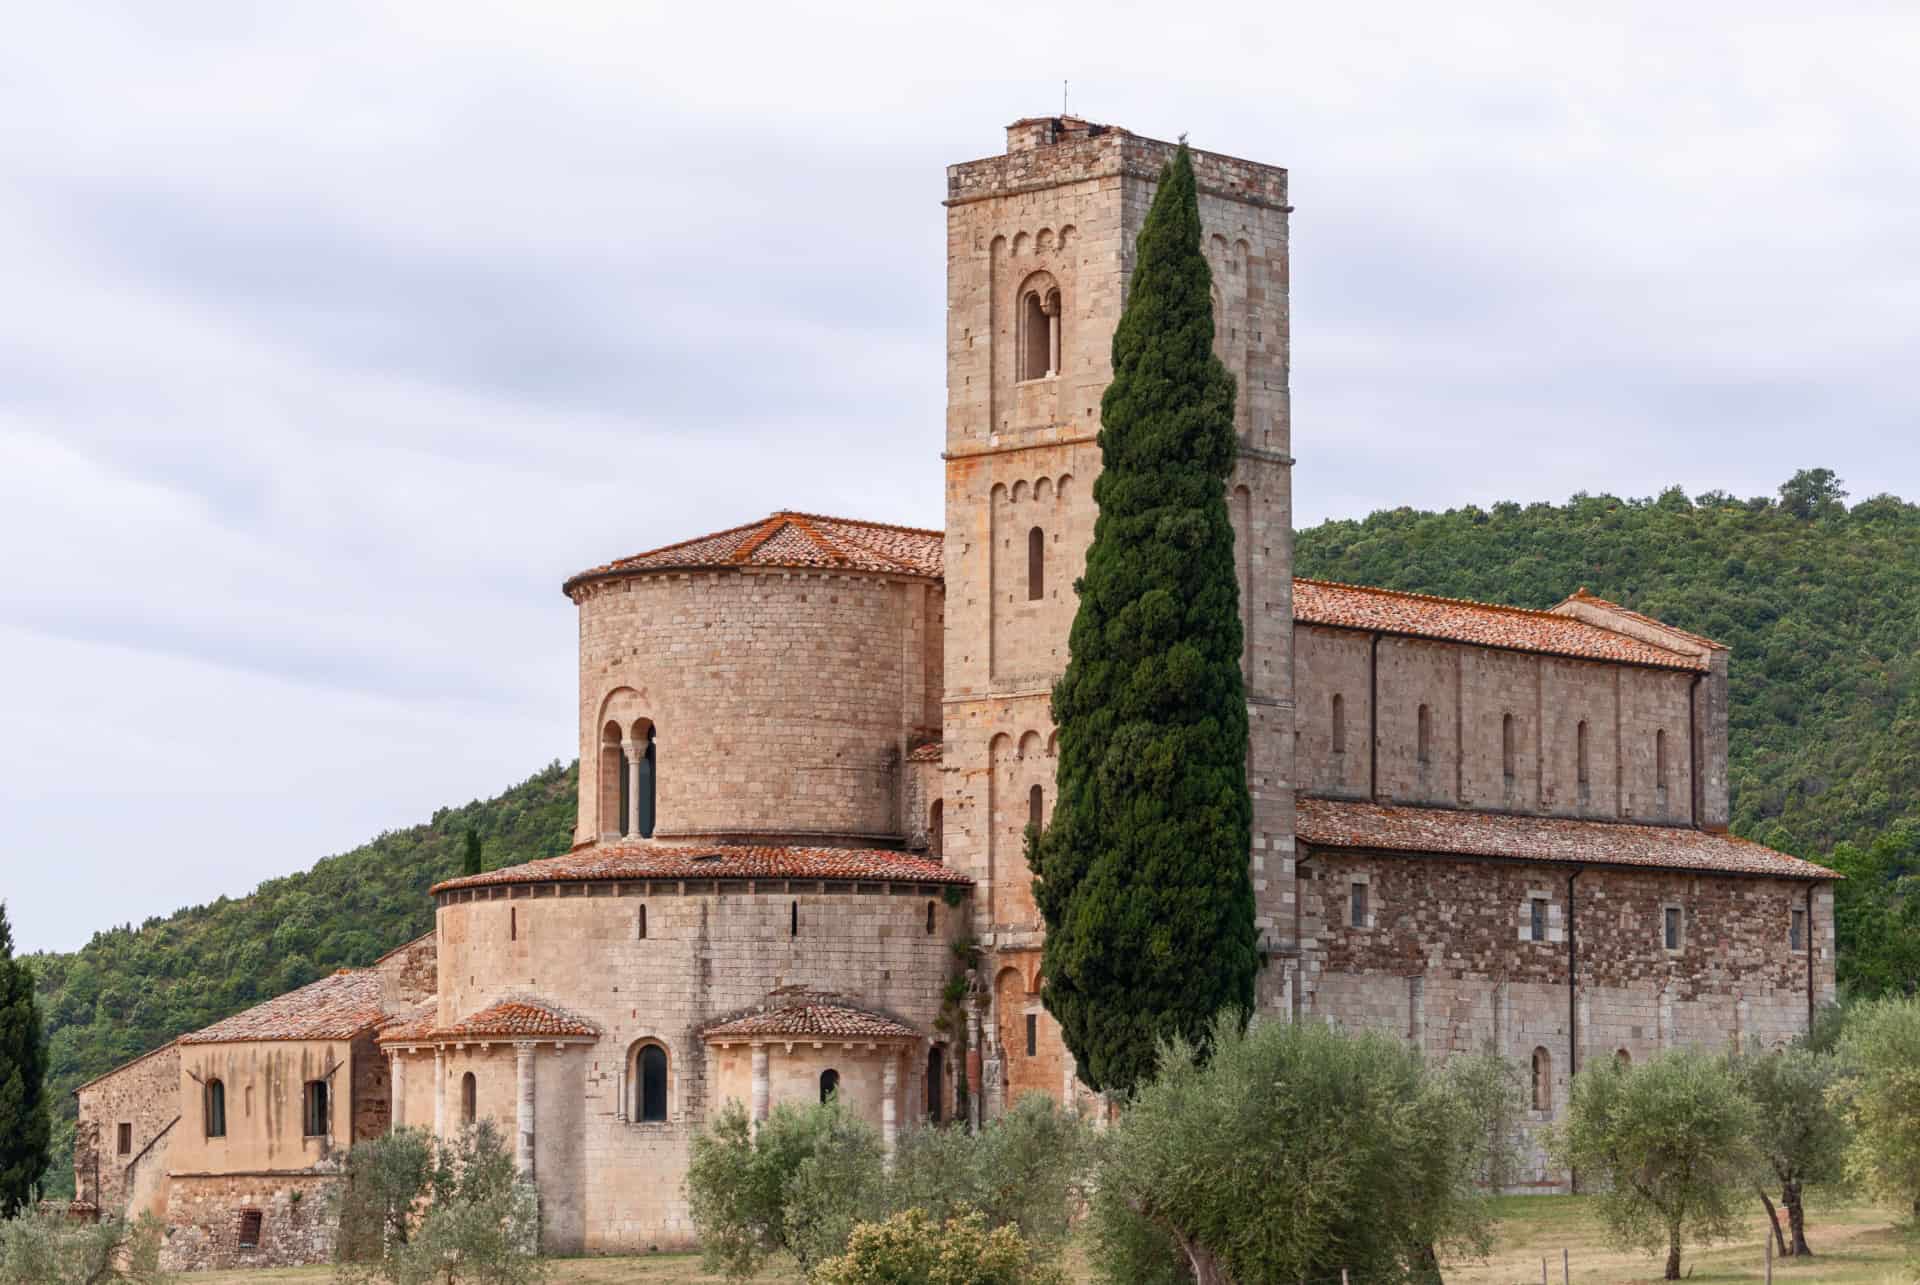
<point x="1295" y="1152"/>
<point x="1026" y="1169"/>
<point x="911" y="1249"/>
<point x="42" y="1246"/>
<point x="1880" y="1050"/>
<point x="1671" y="1140"/>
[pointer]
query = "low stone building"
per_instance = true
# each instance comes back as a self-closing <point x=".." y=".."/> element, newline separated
<point x="810" y="749"/>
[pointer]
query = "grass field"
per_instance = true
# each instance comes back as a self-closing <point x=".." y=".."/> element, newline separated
<point x="1853" y="1245"/>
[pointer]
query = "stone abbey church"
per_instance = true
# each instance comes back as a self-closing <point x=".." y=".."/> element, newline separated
<point x="810" y="748"/>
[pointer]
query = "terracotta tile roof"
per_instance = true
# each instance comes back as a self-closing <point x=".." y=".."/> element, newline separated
<point x="653" y="859"/>
<point x="522" y="1017"/>
<point x="334" y="1008"/>
<point x="1321" y="602"/>
<point x="414" y="1024"/>
<point x="1333" y="823"/>
<point x="813" y="1021"/>
<point x="804" y="541"/>
<point x="1581" y="595"/>
<point x="928" y="753"/>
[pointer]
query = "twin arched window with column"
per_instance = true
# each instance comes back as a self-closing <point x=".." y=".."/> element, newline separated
<point x="1039" y="342"/>
<point x="629" y="761"/>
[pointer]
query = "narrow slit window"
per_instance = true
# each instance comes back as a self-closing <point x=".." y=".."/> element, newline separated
<point x="793" y="920"/>
<point x="1797" y="930"/>
<point x="469" y="1098"/>
<point x="929" y="918"/>
<point x="1672" y="927"/>
<point x="1542" y="1080"/>
<point x="1033" y="1034"/>
<point x="126" y="1138"/>
<point x="1036" y="565"/>
<point x="216" y="1109"/>
<point x="1537" y="918"/>
<point x="1357" y="905"/>
<point x="643" y="923"/>
<point x="936" y="839"/>
<point x="1509" y="748"/>
<point x="1660" y="762"/>
<point x="1036" y="803"/>
<point x="936" y="1082"/>
<point x="1423" y="745"/>
<point x="1339" y="723"/>
<point x="513" y="923"/>
<point x="1584" y="764"/>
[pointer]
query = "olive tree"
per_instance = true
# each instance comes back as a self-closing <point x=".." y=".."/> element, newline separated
<point x="1671" y="1142"/>
<point x="43" y="1246"/>
<point x="1800" y="1132"/>
<point x="1880" y="1052"/>
<point x="1294" y="1152"/>
<point x="911" y="1249"/>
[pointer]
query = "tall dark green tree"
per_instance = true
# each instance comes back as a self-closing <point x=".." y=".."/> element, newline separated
<point x="25" y="1125"/>
<point x="1142" y="876"/>
<point x="470" y="863"/>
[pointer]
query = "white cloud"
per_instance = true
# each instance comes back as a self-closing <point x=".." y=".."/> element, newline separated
<point x="338" y="335"/>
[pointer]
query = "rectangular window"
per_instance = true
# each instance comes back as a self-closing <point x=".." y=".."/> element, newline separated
<point x="126" y="1138"/>
<point x="250" y="1220"/>
<point x="318" y="1119"/>
<point x="1358" y="909"/>
<point x="1538" y="919"/>
<point x="1797" y="932"/>
<point x="1033" y="1034"/>
<point x="1673" y="927"/>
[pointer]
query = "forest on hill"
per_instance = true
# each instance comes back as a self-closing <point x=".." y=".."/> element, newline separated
<point x="1820" y="603"/>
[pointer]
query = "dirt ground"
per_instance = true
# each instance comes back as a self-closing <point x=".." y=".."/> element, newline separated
<point x="1853" y="1245"/>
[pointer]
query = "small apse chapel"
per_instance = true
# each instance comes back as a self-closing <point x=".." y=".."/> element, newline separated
<point x="809" y="747"/>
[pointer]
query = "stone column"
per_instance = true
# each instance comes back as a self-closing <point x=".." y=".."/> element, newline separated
<point x="1052" y="307"/>
<point x="523" y="1073"/>
<point x="397" y="1082"/>
<point x="974" y="1085"/>
<point x="762" y="1085"/>
<point x="889" y="1104"/>
<point x="439" y="1093"/>
<point x="633" y="750"/>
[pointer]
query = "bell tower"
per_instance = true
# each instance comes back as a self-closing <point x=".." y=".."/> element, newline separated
<point x="1040" y="248"/>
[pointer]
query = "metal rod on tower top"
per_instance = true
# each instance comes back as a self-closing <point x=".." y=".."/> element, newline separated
<point x="1063" y="98"/>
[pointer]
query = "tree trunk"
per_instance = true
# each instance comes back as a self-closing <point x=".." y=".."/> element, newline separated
<point x="1796" y="1219"/>
<point x="1773" y="1216"/>
<point x="1426" y="1268"/>
<point x="1673" y="1255"/>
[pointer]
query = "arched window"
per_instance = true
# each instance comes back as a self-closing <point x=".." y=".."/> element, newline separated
<point x="1036" y="565"/>
<point x="793" y="920"/>
<point x="1542" y="1080"/>
<point x="936" y="839"/>
<point x="642" y="936"/>
<point x="1624" y="1060"/>
<point x="469" y="1098"/>
<point x="1039" y="334"/>
<point x="929" y="918"/>
<point x="648" y="774"/>
<point x="1509" y="749"/>
<point x="1036" y="804"/>
<point x="829" y="1085"/>
<point x="649" y="1084"/>
<point x="216" y="1109"/>
<point x="613" y="782"/>
<point x="936" y="1069"/>
<point x="1584" y="766"/>
<point x="1424" y="742"/>
<point x="1339" y="723"/>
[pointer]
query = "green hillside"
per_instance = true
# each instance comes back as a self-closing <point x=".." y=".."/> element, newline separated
<point x="132" y="989"/>
<point x="1821" y="605"/>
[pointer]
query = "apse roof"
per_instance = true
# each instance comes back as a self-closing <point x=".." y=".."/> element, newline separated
<point x="797" y="541"/>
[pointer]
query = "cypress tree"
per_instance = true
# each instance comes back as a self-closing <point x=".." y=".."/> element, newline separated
<point x="25" y="1125"/>
<point x="470" y="860"/>
<point x="1142" y="875"/>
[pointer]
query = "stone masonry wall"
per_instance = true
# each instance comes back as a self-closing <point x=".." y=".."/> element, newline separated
<point x="1469" y="692"/>
<point x="206" y="1216"/>
<point x="1445" y="959"/>
<point x="144" y="1095"/>
<point x="709" y="952"/>
<point x="783" y="703"/>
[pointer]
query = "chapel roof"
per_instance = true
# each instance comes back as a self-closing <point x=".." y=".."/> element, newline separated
<point x="1338" y="823"/>
<point x="338" y="1007"/>
<point x="657" y="859"/>
<point x="1323" y="602"/>
<point x="519" y="1017"/>
<point x="798" y="541"/>
<point x="820" y="1020"/>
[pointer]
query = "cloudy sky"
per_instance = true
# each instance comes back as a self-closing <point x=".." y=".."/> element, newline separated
<point x="336" y="335"/>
